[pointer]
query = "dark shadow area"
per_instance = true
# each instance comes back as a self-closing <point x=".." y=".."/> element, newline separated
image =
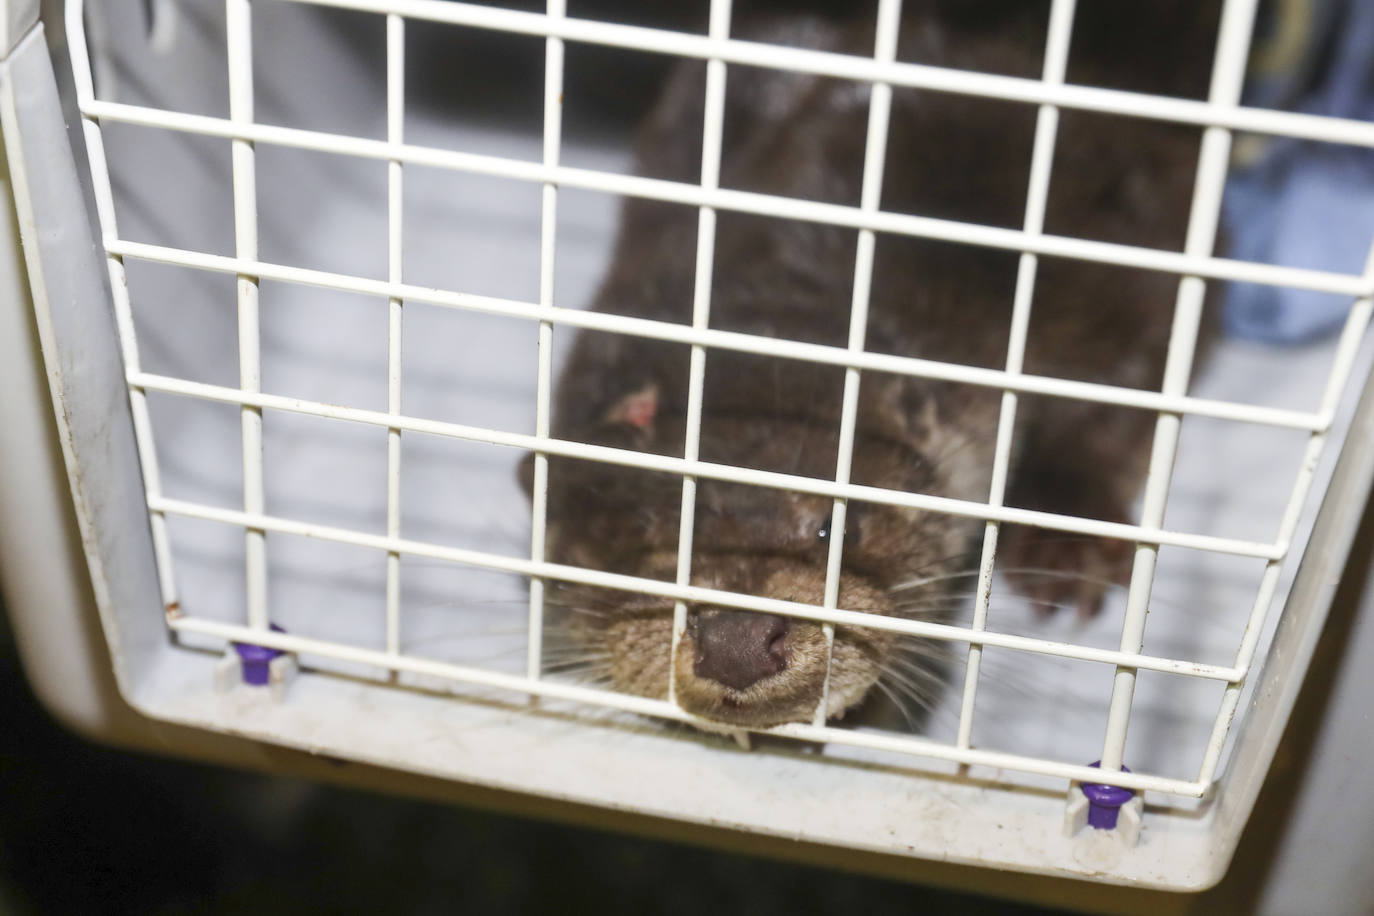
<point x="475" y="73"/>
<point x="86" y="829"/>
<point x="1276" y="807"/>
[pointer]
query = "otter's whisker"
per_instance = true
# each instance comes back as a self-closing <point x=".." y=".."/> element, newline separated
<point x="917" y="690"/>
<point x="897" y="703"/>
<point x="917" y="670"/>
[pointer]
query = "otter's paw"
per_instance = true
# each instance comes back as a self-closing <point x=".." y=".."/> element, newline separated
<point x="1056" y="569"/>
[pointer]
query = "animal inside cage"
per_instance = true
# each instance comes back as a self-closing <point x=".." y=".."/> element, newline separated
<point x="344" y="305"/>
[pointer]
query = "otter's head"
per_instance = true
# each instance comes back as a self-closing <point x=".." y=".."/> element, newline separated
<point x="737" y="667"/>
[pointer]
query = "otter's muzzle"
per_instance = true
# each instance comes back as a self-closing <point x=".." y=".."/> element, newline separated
<point x="738" y="648"/>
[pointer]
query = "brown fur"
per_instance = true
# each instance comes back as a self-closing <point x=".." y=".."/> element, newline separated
<point x="950" y="157"/>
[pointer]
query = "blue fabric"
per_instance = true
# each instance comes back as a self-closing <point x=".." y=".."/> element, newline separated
<point x="1306" y="204"/>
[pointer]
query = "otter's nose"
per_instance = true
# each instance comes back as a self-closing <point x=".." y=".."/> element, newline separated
<point x="738" y="648"/>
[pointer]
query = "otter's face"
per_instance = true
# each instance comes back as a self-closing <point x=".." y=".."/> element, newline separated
<point x="736" y="667"/>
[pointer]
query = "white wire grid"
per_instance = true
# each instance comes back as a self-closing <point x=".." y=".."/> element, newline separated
<point x="1220" y="115"/>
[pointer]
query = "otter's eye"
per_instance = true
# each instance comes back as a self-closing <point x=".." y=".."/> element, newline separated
<point x="852" y="527"/>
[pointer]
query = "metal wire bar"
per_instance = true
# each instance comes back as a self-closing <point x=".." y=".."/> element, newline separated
<point x="1228" y="75"/>
<point x="713" y="123"/>
<point x="1037" y="197"/>
<point x="239" y="38"/>
<point x="123" y="312"/>
<point x="548" y="235"/>
<point x="1342" y="365"/>
<point x="664" y="710"/>
<point x="743" y="201"/>
<point x="395" y="247"/>
<point x="870" y="198"/>
<point x="724" y="472"/>
<point x="862" y="69"/>
<point x="728" y="340"/>
<point x="694" y="594"/>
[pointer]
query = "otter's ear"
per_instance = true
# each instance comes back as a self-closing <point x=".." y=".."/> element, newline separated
<point x="627" y="423"/>
<point x="638" y="409"/>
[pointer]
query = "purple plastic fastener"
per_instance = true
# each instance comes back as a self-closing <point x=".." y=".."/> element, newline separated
<point x="257" y="660"/>
<point x="1104" y="801"/>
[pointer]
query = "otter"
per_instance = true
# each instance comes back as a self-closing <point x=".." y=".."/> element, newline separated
<point x="948" y="156"/>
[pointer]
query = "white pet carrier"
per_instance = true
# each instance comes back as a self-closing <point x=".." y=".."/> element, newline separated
<point x="227" y="209"/>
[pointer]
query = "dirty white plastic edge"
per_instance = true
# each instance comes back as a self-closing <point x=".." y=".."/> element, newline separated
<point x="95" y="433"/>
<point x="85" y="373"/>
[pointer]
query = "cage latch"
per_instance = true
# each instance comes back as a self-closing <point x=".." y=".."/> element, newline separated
<point x="256" y="666"/>
<point x="1113" y="812"/>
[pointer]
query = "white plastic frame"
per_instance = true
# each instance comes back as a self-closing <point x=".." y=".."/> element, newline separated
<point x="1221" y="112"/>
